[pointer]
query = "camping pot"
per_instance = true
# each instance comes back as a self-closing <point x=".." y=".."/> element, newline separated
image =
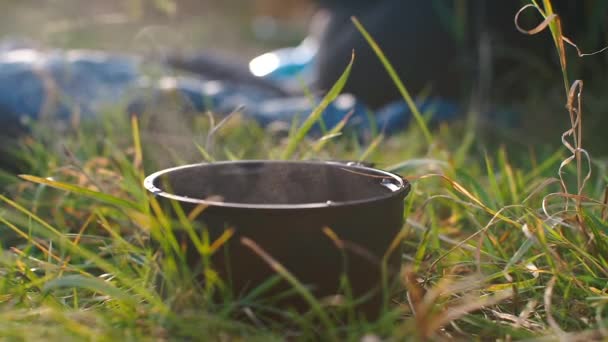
<point x="285" y="207"/>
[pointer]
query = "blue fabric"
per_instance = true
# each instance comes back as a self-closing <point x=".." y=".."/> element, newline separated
<point x="58" y="83"/>
<point x="224" y="98"/>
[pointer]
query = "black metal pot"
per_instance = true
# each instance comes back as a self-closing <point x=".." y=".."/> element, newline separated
<point x="283" y="206"/>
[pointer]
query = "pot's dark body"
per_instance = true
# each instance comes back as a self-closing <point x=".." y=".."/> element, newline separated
<point x="287" y="220"/>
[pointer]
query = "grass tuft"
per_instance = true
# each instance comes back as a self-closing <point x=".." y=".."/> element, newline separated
<point x="498" y="243"/>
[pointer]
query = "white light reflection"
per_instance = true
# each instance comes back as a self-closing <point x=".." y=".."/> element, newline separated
<point x="264" y="64"/>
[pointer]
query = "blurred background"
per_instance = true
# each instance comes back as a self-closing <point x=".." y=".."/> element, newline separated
<point x="529" y="83"/>
<point x="145" y="26"/>
<point x="152" y="29"/>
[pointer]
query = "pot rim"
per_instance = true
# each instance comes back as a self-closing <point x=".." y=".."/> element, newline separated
<point x="403" y="187"/>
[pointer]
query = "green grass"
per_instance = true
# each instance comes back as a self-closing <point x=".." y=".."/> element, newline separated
<point x="498" y="243"/>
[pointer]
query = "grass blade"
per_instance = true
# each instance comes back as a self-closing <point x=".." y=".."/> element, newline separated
<point x="78" y="190"/>
<point x="316" y="114"/>
<point x="393" y="74"/>
<point x="89" y="283"/>
<point x="293" y="281"/>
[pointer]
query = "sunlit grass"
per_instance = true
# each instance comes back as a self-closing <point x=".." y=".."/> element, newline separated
<point x="498" y="244"/>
